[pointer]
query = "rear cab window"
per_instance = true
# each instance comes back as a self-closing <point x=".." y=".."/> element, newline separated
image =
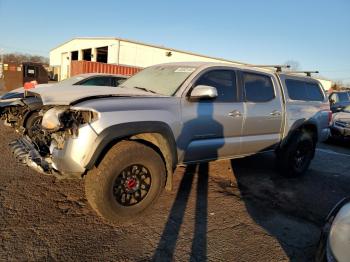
<point x="304" y="90"/>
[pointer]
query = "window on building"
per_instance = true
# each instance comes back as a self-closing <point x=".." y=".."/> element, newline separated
<point x="304" y="91"/>
<point x="74" y="55"/>
<point x="258" y="88"/>
<point x="87" y="54"/>
<point x="102" y="54"/>
<point x="224" y="81"/>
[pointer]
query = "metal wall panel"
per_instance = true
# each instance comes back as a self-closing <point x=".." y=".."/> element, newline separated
<point x="82" y="67"/>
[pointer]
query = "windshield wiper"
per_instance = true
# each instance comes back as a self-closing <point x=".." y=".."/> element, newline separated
<point x="145" y="89"/>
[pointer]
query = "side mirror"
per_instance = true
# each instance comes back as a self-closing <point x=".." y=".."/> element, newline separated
<point x="204" y="92"/>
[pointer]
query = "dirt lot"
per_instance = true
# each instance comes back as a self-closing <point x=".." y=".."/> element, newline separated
<point x="229" y="211"/>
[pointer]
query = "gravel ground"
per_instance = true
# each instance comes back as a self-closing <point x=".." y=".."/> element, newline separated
<point x="238" y="210"/>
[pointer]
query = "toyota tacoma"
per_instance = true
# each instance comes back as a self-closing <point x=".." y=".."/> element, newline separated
<point x="126" y="142"/>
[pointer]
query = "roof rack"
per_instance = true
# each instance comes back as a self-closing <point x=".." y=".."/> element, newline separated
<point x="308" y="73"/>
<point x="277" y="67"/>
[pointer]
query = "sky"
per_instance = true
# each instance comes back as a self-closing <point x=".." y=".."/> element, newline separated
<point x="313" y="34"/>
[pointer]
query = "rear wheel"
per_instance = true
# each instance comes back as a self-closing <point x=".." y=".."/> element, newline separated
<point x="295" y="158"/>
<point x="129" y="180"/>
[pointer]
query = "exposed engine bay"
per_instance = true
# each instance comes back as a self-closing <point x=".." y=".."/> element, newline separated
<point x="52" y="128"/>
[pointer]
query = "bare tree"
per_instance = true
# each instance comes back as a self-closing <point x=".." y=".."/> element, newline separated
<point x="294" y="65"/>
<point x="18" y="58"/>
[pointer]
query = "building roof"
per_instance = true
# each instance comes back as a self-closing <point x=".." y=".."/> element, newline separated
<point x="150" y="45"/>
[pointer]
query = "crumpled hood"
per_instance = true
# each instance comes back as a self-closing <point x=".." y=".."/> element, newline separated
<point x="66" y="95"/>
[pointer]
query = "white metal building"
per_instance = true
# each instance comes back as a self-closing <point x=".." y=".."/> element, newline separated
<point x="118" y="51"/>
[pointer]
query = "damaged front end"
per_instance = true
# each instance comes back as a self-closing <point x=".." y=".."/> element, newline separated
<point x="15" y="112"/>
<point x="57" y="149"/>
<point x="12" y="113"/>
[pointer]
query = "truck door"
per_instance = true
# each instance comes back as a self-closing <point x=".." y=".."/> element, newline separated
<point x="262" y="125"/>
<point x="212" y="128"/>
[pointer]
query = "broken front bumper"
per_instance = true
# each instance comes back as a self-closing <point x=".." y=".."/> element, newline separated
<point x="27" y="154"/>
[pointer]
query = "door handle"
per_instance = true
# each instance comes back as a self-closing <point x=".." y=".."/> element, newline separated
<point x="235" y="113"/>
<point x="275" y="113"/>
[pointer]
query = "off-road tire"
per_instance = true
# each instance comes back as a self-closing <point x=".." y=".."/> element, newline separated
<point x="99" y="182"/>
<point x="287" y="156"/>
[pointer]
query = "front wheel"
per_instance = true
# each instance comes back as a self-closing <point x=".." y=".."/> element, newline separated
<point x="295" y="158"/>
<point x="129" y="180"/>
<point x="33" y="124"/>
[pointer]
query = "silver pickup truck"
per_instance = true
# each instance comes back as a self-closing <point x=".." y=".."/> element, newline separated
<point x="126" y="142"/>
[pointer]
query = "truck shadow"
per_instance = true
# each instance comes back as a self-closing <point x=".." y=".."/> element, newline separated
<point x="170" y="235"/>
<point x="292" y="210"/>
<point x="204" y="122"/>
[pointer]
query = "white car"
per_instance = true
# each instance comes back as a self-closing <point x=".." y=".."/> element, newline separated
<point x="90" y="79"/>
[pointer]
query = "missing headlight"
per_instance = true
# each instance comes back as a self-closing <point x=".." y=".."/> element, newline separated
<point x="67" y="120"/>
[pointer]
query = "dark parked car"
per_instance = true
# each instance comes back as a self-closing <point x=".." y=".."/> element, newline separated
<point x="339" y="100"/>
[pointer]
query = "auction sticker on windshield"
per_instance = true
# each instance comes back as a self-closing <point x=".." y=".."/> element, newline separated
<point x="185" y="70"/>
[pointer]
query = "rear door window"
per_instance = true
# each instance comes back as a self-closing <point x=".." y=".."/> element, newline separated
<point x="258" y="88"/>
<point x="304" y="91"/>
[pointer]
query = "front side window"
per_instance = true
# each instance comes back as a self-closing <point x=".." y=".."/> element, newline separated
<point x="304" y="91"/>
<point x="224" y="81"/>
<point x="97" y="81"/>
<point x="258" y="88"/>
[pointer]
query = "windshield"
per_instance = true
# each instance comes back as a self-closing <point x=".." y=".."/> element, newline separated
<point x="163" y="79"/>
<point x="343" y="97"/>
